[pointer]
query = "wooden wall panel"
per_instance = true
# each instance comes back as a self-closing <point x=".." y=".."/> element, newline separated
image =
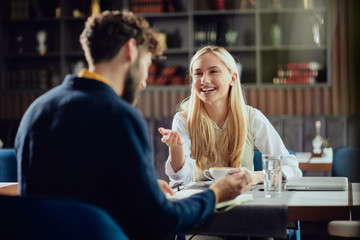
<point x="280" y="101"/>
<point x="270" y="103"/>
<point x="290" y="102"/>
<point x="262" y="100"/>
<point x="252" y="99"/>
<point x="299" y="104"/>
<point x="318" y="99"/>
<point x="308" y="101"/>
<point x="163" y="103"/>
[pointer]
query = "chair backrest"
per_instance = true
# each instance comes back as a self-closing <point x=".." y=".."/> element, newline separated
<point x="52" y="219"/>
<point x="346" y="163"/>
<point x="258" y="160"/>
<point x="8" y="165"/>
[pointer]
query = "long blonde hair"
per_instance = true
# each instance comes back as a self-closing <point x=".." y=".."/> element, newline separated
<point x="229" y="147"/>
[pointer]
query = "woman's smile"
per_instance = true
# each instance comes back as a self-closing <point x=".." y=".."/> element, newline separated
<point x="207" y="89"/>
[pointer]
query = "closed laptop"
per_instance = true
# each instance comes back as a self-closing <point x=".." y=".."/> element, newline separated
<point x="317" y="183"/>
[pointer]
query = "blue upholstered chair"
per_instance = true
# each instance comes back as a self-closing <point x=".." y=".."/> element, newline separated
<point x="52" y="219"/>
<point x="8" y="165"/>
<point x="258" y="160"/>
<point x="346" y="163"/>
<point x="293" y="234"/>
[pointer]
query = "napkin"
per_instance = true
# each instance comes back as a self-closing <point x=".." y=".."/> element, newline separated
<point x="242" y="198"/>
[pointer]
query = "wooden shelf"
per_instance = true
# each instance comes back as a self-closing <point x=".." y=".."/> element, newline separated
<point x="253" y="47"/>
<point x="31" y="55"/>
<point x="291" y="10"/>
<point x="165" y="15"/>
<point x="224" y="12"/>
<point x="32" y="21"/>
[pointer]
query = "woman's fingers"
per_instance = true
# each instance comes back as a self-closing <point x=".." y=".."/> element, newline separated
<point x="171" y="138"/>
<point x="163" y="131"/>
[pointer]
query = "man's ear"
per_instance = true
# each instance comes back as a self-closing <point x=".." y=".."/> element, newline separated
<point x="131" y="50"/>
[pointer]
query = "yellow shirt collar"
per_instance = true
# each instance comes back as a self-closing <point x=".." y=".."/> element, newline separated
<point x="87" y="74"/>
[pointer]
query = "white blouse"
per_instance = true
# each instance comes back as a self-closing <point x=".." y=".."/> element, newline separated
<point x="261" y="135"/>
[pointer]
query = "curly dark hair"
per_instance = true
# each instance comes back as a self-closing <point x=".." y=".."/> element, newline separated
<point x="105" y="33"/>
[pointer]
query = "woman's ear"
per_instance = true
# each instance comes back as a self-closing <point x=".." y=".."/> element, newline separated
<point x="233" y="79"/>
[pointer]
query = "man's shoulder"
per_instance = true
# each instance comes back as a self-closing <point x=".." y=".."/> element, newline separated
<point x="123" y="112"/>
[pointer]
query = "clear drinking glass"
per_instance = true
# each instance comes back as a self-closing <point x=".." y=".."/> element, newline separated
<point x="272" y="174"/>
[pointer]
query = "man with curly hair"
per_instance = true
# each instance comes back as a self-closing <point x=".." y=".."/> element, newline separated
<point x="84" y="140"/>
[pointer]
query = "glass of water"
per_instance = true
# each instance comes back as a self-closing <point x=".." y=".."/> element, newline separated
<point x="272" y="174"/>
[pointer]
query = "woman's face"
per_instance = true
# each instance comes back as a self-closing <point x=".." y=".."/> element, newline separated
<point x="211" y="79"/>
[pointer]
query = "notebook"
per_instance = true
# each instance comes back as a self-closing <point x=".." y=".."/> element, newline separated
<point x="317" y="183"/>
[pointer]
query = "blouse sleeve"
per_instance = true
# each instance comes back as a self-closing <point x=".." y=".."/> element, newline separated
<point x="184" y="174"/>
<point x="268" y="141"/>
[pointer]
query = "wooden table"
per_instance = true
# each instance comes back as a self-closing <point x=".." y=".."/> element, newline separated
<point x="306" y="163"/>
<point x="264" y="217"/>
<point x="319" y="206"/>
<point x="9" y="188"/>
<point x="355" y="204"/>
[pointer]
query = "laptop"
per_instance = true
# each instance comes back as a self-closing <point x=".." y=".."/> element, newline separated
<point x="317" y="183"/>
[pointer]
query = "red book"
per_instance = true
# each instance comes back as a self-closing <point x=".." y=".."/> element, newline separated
<point x="294" y="80"/>
<point x="220" y="4"/>
<point x="304" y="65"/>
<point x="186" y="80"/>
<point x="152" y="74"/>
<point x="166" y="74"/>
<point x="176" y="80"/>
<point x="297" y="73"/>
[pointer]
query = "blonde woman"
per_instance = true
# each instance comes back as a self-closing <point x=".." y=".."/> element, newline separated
<point x="215" y="127"/>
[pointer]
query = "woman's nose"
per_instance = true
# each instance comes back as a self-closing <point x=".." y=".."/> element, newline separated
<point x="204" y="79"/>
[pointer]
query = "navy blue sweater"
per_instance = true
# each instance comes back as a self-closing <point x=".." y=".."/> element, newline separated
<point x="82" y="141"/>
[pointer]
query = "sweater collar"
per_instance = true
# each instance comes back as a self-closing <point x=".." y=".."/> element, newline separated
<point x="85" y="73"/>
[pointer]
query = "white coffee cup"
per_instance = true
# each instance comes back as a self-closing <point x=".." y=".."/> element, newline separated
<point x="216" y="172"/>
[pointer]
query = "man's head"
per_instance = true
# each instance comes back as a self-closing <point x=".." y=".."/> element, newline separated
<point x="105" y="33"/>
<point x="104" y="36"/>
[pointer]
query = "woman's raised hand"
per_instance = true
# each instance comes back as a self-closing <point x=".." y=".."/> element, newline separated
<point x="170" y="137"/>
<point x="176" y="152"/>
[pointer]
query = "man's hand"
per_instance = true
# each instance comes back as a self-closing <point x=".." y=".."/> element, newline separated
<point x="257" y="177"/>
<point x="231" y="186"/>
<point x="164" y="186"/>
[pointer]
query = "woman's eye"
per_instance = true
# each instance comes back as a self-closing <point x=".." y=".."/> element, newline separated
<point x="197" y="73"/>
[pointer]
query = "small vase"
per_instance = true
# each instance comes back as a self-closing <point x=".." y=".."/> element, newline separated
<point x="276" y="35"/>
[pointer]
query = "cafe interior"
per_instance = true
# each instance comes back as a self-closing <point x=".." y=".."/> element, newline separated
<point x="298" y="61"/>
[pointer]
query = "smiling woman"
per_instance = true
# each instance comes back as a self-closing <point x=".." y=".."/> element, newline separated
<point x="215" y="128"/>
<point x="212" y="81"/>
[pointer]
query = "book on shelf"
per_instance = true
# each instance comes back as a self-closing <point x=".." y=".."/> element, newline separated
<point x="294" y="80"/>
<point x="147" y="6"/>
<point x="205" y="33"/>
<point x="169" y="6"/>
<point x="30" y="79"/>
<point x="168" y="76"/>
<point x="304" y="65"/>
<point x="220" y="4"/>
<point x="297" y="73"/>
<point x="19" y="9"/>
<point x="152" y="74"/>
